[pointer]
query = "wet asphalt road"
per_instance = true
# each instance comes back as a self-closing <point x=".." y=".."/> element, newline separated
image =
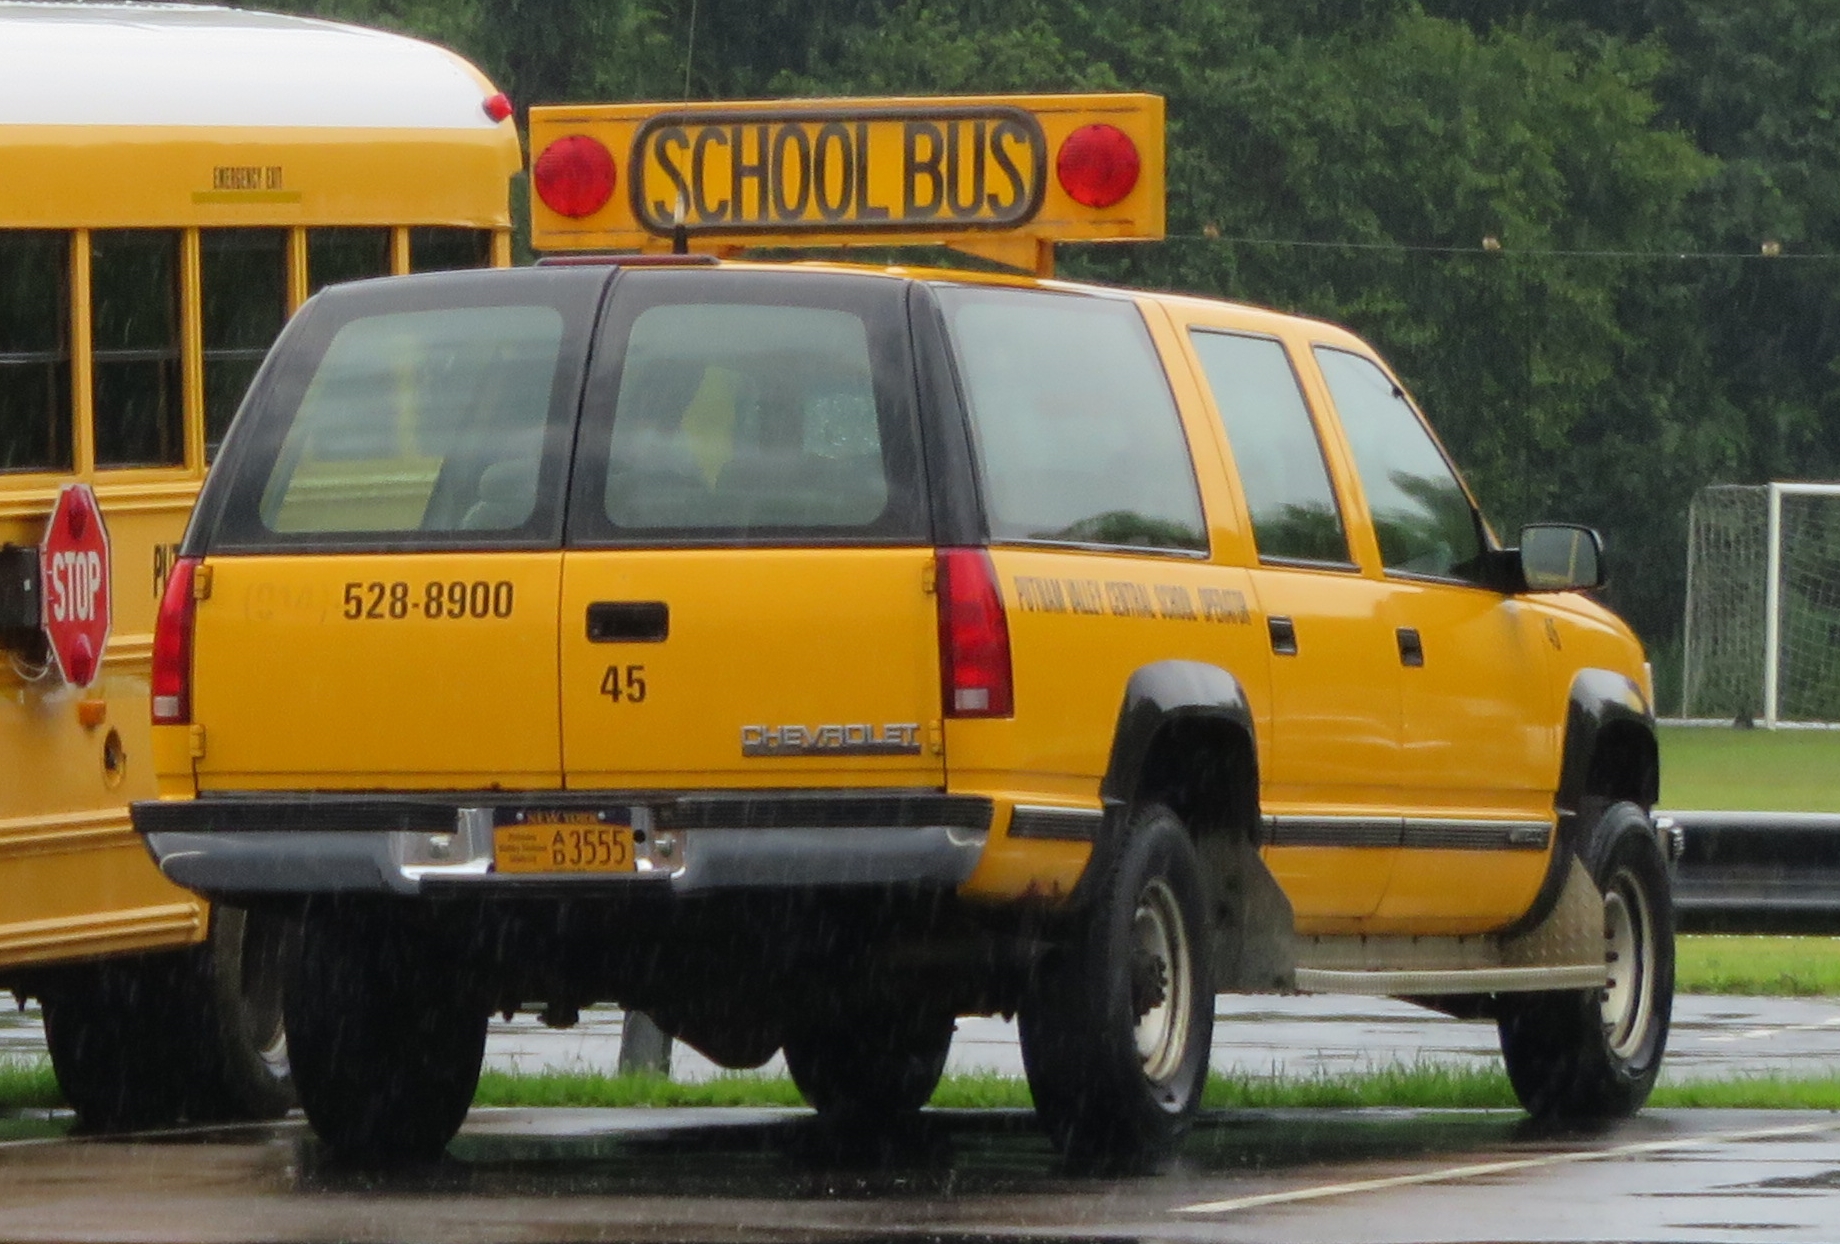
<point x="757" y="1175"/>
<point x="1289" y="1177"/>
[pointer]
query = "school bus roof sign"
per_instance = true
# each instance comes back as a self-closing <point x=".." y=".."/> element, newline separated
<point x="995" y="174"/>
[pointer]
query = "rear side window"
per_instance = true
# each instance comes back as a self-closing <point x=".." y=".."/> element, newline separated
<point x="393" y="422"/>
<point x="752" y="407"/>
<point x="1077" y="436"/>
<point x="1280" y="461"/>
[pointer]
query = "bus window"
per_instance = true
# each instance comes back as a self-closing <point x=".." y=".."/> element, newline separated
<point x="134" y="313"/>
<point x="350" y="254"/>
<point x="438" y="250"/>
<point x="243" y="285"/>
<point x="34" y="351"/>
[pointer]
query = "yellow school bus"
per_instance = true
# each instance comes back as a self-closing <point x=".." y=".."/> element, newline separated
<point x="177" y="181"/>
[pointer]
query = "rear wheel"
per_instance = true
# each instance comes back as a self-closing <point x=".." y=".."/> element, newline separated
<point x="1115" y="1031"/>
<point x="1586" y="1055"/>
<point x="145" y="1041"/>
<point x="242" y="1052"/>
<point x="386" y="1036"/>
<point x="870" y="1063"/>
<point x="115" y="1035"/>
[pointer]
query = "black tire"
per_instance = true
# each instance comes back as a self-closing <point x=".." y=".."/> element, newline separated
<point x="241" y="1067"/>
<point x="870" y="1064"/>
<point x="386" y="1035"/>
<point x="115" y="1032"/>
<point x="1115" y="1030"/>
<point x="1586" y="1056"/>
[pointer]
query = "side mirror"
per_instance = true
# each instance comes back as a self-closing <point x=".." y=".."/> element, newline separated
<point x="1561" y="557"/>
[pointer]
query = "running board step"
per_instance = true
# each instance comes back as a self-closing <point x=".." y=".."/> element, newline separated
<point x="1383" y="984"/>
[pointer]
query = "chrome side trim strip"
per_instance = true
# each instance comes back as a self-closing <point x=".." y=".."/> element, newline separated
<point x="1418" y="833"/>
<point x="1067" y="824"/>
<point x="1477" y="835"/>
<point x="1449" y="981"/>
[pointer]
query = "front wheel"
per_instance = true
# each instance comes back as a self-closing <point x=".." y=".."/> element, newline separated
<point x="1591" y="1055"/>
<point x="385" y="1034"/>
<point x="1115" y="1030"/>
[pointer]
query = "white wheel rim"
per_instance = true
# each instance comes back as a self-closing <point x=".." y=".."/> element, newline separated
<point x="1161" y="993"/>
<point x="1629" y="954"/>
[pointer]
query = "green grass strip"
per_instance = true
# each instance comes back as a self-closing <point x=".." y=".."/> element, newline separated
<point x="1707" y="768"/>
<point x="1801" y="967"/>
<point x="1751" y="1092"/>
<point x="29" y="1084"/>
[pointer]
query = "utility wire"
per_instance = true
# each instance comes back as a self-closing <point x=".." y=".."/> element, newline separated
<point x="1502" y="252"/>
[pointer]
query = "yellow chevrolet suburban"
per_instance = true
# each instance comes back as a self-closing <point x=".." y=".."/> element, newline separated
<point x="810" y="654"/>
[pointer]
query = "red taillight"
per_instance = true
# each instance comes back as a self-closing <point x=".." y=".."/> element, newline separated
<point x="1098" y="165"/>
<point x="172" y="648"/>
<point x="973" y="637"/>
<point x="574" y="176"/>
<point x="498" y="106"/>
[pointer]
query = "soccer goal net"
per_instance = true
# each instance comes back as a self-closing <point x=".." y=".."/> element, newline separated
<point x="1763" y="604"/>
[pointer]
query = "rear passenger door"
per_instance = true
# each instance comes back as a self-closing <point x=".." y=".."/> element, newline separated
<point x="1329" y="778"/>
<point x="746" y="591"/>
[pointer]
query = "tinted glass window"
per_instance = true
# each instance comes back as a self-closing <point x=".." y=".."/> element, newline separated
<point x="752" y="407"/>
<point x="134" y="319"/>
<point x="441" y="250"/>
<point x="243" y="274"/>
<point x="1421" y="513"/>
<point x="420" y="421"/>
<point x="335" y="255"/>
<point x="35" y="418"/>
<point x="746" y="417"/>
<point x="1077" y="435"/>
<point x="1280" y="461"/>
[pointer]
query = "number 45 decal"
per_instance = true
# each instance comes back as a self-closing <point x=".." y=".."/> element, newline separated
<point x="624" y="682"/>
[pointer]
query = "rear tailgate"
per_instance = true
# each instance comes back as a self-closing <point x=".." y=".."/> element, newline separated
<point x="384" y="552"/>
<point x="746" y="592"/>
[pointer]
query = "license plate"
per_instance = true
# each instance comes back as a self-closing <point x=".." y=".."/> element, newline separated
<point x="562" y="842"/>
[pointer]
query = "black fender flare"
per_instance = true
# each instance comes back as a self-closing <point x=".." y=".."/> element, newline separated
<point x="1601" y="702"/>
<point x="1155" y="696"/>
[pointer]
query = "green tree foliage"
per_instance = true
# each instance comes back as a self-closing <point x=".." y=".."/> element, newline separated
<point x="1348" y="159"/>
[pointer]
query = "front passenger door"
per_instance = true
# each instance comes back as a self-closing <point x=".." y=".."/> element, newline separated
<point x="1480" y="724"/>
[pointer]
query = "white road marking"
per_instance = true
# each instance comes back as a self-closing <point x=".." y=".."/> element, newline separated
<point x="1756" y="1034"/>
<point x="1476" y="1169"/>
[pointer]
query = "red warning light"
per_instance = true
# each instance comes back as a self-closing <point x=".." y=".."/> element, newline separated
<point x="574" y="176"/>
<point x="1098" y="165"/>
<point x="498" y="106"/>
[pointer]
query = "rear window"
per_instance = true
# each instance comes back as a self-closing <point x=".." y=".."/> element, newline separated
<point x="1077" y="435"/>
<point x="400" y="424"/>
<point x="398" y="402"/>
<point x="752" y="407"/>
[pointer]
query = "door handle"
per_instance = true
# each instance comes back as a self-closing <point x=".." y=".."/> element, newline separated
<point x="628" y="622"/>
<point x="1411" y="647"/>
<point x="1283" y="636"/>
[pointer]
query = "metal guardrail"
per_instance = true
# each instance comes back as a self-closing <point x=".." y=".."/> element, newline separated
<point x="1756" y="872"/>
